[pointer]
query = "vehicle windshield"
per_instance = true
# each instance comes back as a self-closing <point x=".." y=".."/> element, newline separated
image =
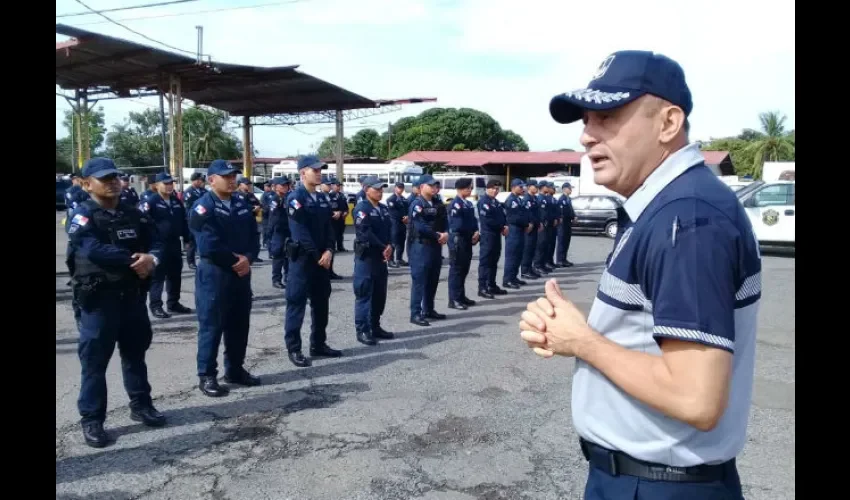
<point x="750" y="187"/>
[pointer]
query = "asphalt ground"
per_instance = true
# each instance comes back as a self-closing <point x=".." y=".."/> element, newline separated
<point x="458" y="410"/>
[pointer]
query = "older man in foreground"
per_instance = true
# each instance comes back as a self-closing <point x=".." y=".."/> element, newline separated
<point x="664" y="362"/>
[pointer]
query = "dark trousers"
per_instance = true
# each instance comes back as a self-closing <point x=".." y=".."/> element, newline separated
<point x="306" y="280"/>
<point x="551" y="241"/>
<point x="529" y="249"/>
<point x="542" y="247"/>
<point x="278" y="264"/>
<point x="339" y="232"/>
<point x="565" y="235"/>
<point x="265" y="229"/>
<point x="191" y="249"/>
<point x="425" y="267"/>
<point x="514" y="247"/>
<point x="370" y="292"/>
<point x="603" y="486"/>
<point x="114" y="317"/>
<point x="399" y="237"/>
<point x="223" y="302"/>
<point x="460" y="260"/>
<point x="488" y="259"/>
<point x="167" y="274"/>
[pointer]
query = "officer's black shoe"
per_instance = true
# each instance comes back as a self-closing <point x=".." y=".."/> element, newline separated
<point x="298" y="359"/>
<point x="179" y="309"/>
<point x="159" y="313"/>
<point x="485" y="293"/>
<point x="467" y="302"/>
<point x="258" y="259"/>
<point x="510" y="284"/>
<point x="335" y="276"/>
<point x="456" y="304"/>
<point x="497" y="291"/>
<point x="341" y="249"/>
<point x="324" y="351"/>
<point x="520" y="282"/>
<point x="393" y="264"/>
<point x="192" y="266"/>
<point x="419" y="320"/>
<point x="148" y="416"/>
<point x="380" y="333"/>
<point x="94" y="434"/>
<point x="242" y="378"/>
<point x="435" y="315"/>
<point x="366" y="338"/>
<point x="403" y="263"/>
<point x="209" y="386"/>
<point x="568" y="264"/>
<point x="541" y="271"/>
<point x="530" y="276"/>
<point x="549" y="267"/>
<point x="277" y="284"/>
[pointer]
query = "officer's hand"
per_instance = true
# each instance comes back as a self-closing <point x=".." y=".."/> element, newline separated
<point x="529" y="228"/>
<point x="444" y="237"/>
<point x="404" y="220"/>
<point x="242" y="266"/>
<point x="325" y="260"/>
<point x="505" y="231"/>
<point x="540" y="228"/>
<point x="555" y="223"/>
<point x="475" y="237"/>
<point x="388" y="252"/>
<point x="143" y="264"/>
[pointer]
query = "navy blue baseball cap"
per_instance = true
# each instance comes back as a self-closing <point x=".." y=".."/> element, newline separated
<point x="280" y="180"/>
<point x="244" y="180"/>
<point x="163" y="177"/>
<point x="99" y="168"/>
<point x="372" y="181"/>
<point x="311" y="161"/>
<point x="517" y="182"/>
<point x="428" y="179"/>
<point x="621" y="78"/>
<point x="566" y="185"/>
<point x="531" y="182"/>
<point x="221" y="167"/>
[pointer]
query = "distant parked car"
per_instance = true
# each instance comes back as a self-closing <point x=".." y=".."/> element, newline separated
<point x="596" y="214"/>
<point x="62" y="184"/>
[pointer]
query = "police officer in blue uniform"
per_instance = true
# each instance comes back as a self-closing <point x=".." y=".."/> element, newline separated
<point x="372" y="250"/>
<point x="265" y="201"/>
<point x="279" y="228"/>
<point x="414" y="193"/>
<point x="246" y="192"/>
<point x="167" y="212"/>
<point x="530" y="246"/>
<point x="565" y="228"/>
<point x="310" y="252"/>
<point x="340" y="206"/>
<point x="425" y="253"/>
<point x="463" y="234"/>
<point x="398" y="206"/>
<point x="361" y="195"/>
<point x="541" y="265"/>
<point x="129" y="196"/>
<point x="114" y="249"/>
<point x="74" y="196"/>
<point x="555" y="217"/>
<point x="190" y="196"/>
<point x="516" y="217"/>
<point x="491" y="214"/>
<point x="224" y="228"/>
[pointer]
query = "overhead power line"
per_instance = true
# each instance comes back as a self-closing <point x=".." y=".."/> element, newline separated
<point x="197" y="12"/>
<point x="132" y="7"/>
<point x="134" y="31"/>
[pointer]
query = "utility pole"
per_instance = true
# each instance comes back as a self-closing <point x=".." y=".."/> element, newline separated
<point x="389" y="138"/>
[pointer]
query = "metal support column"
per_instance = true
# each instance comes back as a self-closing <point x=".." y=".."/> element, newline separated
<point x="175" y="108"/>
<point x="163" y="129"/>
<point x="340" y="147"/>
<point x="248" y="148"/>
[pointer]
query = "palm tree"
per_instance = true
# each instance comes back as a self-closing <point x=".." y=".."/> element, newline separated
<point x="773" y="143"/>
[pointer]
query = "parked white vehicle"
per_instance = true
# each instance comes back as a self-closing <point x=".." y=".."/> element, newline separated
<point x="771" y="207"/>
<point x="479" y="185"/>
<point x="390" y="173"/>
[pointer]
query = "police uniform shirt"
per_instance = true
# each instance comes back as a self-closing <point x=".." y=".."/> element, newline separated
<point x="360" y="196"/>
<point x="265" y="201"/>
<point x="462" y="217"/>
<point x="531" y="205"/>
<point x="169" y="217"/>
<point x="685" y="266"/>
<point x="372" y="226"/>
<point x="543" y="206"/>
<point x="492" y="214"/>
<point x="516" y="213"/>
<point x="278" y="215"/>
<point x="397" y="206"/>
<point x="129" y="197"/>
<point x="309" y="217"/>
<point x="566" y="206"/>
<point x="423" y="216"/>
<point x="190" y="196"/>
<point x="222" y="228"/>
<point x="112" y="246"/>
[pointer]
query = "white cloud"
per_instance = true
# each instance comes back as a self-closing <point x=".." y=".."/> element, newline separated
<point x="503" y="57"/>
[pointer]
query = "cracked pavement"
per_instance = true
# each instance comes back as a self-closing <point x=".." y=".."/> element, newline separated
<point x="460" y="410"/>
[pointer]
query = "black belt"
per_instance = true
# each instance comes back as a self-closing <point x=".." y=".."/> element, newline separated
<point x="616" y="463"/>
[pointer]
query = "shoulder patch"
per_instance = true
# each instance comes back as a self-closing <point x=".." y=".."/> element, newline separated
<point x="80" y="220"/>
<point x="295" y="203"/>
<point x="199" y="209"/>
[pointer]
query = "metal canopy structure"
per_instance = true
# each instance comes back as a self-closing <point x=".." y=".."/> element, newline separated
<point x="100" y="67"/>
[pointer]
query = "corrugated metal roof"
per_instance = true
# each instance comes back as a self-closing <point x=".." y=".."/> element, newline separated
<point x="94" y="61"/>
<point x="481" y="158"/>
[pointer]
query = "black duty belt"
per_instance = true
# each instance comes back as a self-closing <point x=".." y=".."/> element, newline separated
<point x="617" y="463"/>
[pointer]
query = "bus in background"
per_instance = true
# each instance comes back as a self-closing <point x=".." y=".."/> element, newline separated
<point x="479" y="183"/>
<point x="390" y="173"/>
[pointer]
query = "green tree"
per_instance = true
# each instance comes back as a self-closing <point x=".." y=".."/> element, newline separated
<point x="136" y="142"/>
<point x="366" y="143"/>
<point x="327" y="148"/>
<point x="206" y="135"/>
<point x="97" y="129"/>
<point x="773" y="143"/>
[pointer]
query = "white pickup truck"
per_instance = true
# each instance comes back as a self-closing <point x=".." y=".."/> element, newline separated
<point x="771" y="207"/>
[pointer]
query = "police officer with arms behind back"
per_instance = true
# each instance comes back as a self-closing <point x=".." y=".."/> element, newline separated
<point x="279" y="231"/>
<point x="398" y="205"/>
<point x="225" y="230"/>
<point x="129" y="196"/>
<point x="565" y="229"/>
<point x="493" y="225"/>
<point x="167" y="212"/>
<point x="463" y="234"/>
<point x="114" y="249"/>
<point x="310" y="252"/>
<point x="516" y="216"/>
<point x="340" y="212"/>
<point x="372" y="250"/>
<point x="425" y="253"/>
<point x="190" y="196"/>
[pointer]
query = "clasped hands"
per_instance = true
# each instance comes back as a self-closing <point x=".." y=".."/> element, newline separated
<point x="554" y="325"/>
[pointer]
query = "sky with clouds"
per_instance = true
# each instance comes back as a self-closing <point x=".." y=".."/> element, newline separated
<point x="504" y="57"/>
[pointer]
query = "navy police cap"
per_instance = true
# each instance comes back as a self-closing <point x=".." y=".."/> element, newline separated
<point x="621" y="78"/>
<point x="372" y="181"/>
<point x="311" y="161"/>
<point x="163" y="177"/>
<point x="517" y="182"/>
<point x="99" y="167"/>
<point x="221" y="167"/>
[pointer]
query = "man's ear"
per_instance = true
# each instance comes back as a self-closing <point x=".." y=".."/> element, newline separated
<point x="673" y="122"/>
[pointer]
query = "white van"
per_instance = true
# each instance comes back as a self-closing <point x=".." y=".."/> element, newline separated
<point x="771" y="207"/>
<point x="479" y="185"/>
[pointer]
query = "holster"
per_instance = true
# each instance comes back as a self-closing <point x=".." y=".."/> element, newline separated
<point x="361" y="248"/>
<point x="292" y="249"/>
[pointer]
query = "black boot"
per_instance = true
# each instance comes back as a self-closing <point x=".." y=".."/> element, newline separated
<point x="147" y="415"/>
<point x="380" y="333"/>
<point x="209" y="386"/>
<point x="366" y="338"/>
<point x="94" y="434"/>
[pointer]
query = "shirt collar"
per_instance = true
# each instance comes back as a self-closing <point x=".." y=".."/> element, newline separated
<point x="674" y="166"/>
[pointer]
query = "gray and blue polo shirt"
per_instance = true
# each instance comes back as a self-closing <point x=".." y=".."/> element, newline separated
<point x="685" y="265"/>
